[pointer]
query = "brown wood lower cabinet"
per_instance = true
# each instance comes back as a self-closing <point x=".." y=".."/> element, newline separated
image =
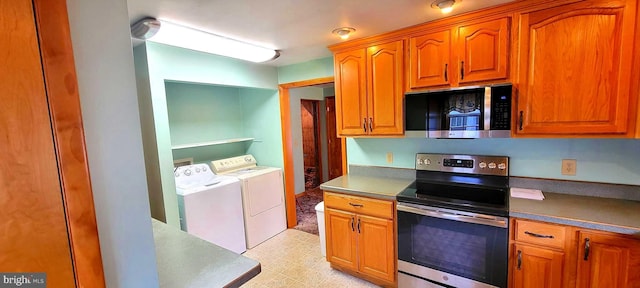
<point x="552" y="255"/>
<point x="360" y="235"/>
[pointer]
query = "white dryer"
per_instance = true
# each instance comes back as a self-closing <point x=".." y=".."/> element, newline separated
<point x="210" y="206"/>
<point x="262" y="196"/>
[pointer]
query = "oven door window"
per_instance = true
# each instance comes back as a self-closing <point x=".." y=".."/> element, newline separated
<point x="473" y="251"/>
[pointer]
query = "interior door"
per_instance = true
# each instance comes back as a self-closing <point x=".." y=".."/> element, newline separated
<point x="334" y="144"/>
<point x="310" y="120"/>
<point x="34" y="229"/>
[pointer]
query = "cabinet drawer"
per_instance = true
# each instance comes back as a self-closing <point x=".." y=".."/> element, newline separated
<point x="540" y="233"/>
<point x="360" y="205"/>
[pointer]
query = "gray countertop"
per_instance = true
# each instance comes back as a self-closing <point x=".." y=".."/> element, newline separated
<point x="377" y="187"/>
<point x="613" y="215"/>
<point x="187" y="261"/>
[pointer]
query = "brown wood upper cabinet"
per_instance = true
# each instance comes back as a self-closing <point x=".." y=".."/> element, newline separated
<point x="464" y="54"/>
<point x="369" y="90"/>
<point x="576" y="69"/>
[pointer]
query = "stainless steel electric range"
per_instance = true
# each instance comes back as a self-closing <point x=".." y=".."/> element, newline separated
<point x="453" y="222"/>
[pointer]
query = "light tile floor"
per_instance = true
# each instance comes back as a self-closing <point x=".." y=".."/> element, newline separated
<point x="293" y="259"/>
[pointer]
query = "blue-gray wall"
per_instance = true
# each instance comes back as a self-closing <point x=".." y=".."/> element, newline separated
<point x="104" y="65"/>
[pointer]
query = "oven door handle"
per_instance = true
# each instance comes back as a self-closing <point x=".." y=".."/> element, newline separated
<point x="470" y="218"/>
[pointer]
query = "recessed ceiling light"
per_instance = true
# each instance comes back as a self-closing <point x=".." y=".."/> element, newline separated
<point x="343" y="32"/>
<point x="445" y="6"/>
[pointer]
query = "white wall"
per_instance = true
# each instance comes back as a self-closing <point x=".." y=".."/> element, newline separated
<point x="295" y="95"/>
<point x="104" y="64"/>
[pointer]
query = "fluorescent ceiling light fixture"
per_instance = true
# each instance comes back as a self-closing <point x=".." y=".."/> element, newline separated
<point x="189" y="38"/>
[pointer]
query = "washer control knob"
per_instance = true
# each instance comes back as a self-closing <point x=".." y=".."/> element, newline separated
<point x="247" y="159"/>
<point x="482" y="165"/>
<point x="502" y="166"/>
<point x="177" y="174"/>
<point x="204" y="168"/>
<point x="187" y="172"/>
<point x="420" y="161"/>
<point x="197" y="169"/>
<point x="428" y="161"/>
<point x="492" y="165"/>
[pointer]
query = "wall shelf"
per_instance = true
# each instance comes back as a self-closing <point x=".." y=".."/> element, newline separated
<point x="210" y="143"/>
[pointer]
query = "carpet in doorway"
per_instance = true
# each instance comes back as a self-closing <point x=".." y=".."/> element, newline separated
<point x="306" y="210"/>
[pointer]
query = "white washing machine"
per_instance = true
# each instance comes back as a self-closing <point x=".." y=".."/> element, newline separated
<point x="210" y="206"/>
<point x="262" y="196"/>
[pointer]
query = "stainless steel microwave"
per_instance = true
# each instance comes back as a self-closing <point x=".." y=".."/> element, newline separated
<point x="463" y="112"/>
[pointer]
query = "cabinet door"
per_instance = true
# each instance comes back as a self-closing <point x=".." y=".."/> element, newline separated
<point x="483" y="51"/>
<point x="385" y="88"/>
<point x="351" y="94"/>
<point x="430" y="59"/>
<point x="606" y="260"/>
<point x="535" y="267"/>
<point x="34" y="228"/>
<point x="576" y="64"/>
<point x="376" y="247"/>
<point x="341" y="238"/>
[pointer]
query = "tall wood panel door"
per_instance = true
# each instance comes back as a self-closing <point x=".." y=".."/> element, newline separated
<point x="334" y="144"/>
<point x="576" y="68"/>
<point x="351" y="92"/>
<point x="385" y="80"/>
<point x="430" y="59"/>
<point x="48" y="221"/>
<point x="483" y="51"/>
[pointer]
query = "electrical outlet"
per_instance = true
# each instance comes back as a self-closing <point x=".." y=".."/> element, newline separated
<point x="389" y="157"/>
<point x="569" y="167"/>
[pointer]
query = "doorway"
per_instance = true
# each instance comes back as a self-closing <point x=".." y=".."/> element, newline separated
<point x="288" y="143"/>
<point x="310" y="120"/>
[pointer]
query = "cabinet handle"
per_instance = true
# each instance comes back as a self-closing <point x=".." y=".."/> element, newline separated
<point x="521" y="119"/>
<point x="370" y="124"/>
<point x="519" y="259"/>
<point x="538" y="235"/>
<point x="358" y="225"/>
<point x="364" y="124"/>
<point x="461" y="70"/>
<point x="356" y="204"/>
<point x="352" y="227"/>
<point x="446" y="69"/>
<point x="586" y="249"/>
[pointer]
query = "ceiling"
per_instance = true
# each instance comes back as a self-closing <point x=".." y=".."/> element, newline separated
<point x="300" y="29"/>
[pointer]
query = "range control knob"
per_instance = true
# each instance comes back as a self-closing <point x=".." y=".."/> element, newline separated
<point x="492" y="165"/>
<point x="482" y="165"/>
<point x="502" y="166"/>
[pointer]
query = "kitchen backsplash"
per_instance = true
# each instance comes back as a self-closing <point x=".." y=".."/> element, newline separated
<point x="614" y="161"/>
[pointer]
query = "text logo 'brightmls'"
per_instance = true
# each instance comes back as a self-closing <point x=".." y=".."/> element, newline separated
<point x="23" y="280"/>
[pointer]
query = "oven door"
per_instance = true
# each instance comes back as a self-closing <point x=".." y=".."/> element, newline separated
<point x="454" y="248"/>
